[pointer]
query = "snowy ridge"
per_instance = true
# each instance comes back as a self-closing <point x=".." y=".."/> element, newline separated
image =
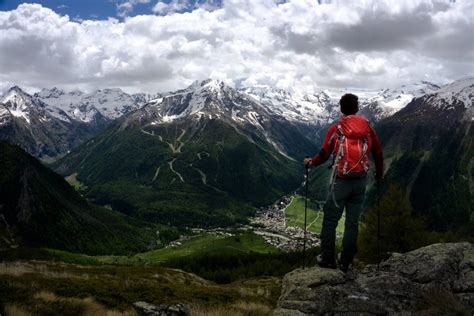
<point x="209" y="98"/>
<point x="252" y="105"/>
<point x="322" y="108"/>
<point x="16" y="103"/>
<point x="215" y="99"/>
<point x="311" y="109"/>
<point x="383" y="103"/>
<point x="460" y="91"/>
<point x="107" y="104"/>
<point x="393" y="100"/>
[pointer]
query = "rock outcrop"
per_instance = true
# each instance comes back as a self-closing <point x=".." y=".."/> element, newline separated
<point x="434" y="280"/>
<point x="147" y="309"/>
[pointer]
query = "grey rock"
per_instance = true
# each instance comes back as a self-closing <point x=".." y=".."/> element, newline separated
<point x="399" y="288"/>
<point x="147" y="309"/>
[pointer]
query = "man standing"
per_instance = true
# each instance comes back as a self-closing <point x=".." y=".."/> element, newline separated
<point x="350" y="141"/>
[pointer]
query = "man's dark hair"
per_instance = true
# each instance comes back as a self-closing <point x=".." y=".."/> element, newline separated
<point x="349" y="104"/>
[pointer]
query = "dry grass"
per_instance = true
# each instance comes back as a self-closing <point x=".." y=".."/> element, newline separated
<point x="254" y="291"/>
<point x="88" y="304"/>
<point x="237" y="309"/>
<point x="21" y="268"/>
<point x="15" y="269"/>
<point x="48" y="288"/>
<point x="46" y="296"/>
<point x="439" y="301"/>
<point x="15" y="310"/>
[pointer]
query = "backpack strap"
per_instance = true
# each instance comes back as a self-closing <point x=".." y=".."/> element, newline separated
<point x="339" y="155"/>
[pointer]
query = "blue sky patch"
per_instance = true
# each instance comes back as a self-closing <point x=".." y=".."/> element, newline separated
<point x="103" y="9"/>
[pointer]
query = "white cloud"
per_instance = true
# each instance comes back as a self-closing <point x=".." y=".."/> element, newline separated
<point x="299" y="44"/>
<point x="160" y="7"/>
<point x="126" y="6"/>
<point x="179" y="6"/>
<point x="171" y="7"/>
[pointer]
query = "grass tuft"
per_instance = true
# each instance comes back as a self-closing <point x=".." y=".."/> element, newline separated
<point x="15" y="310"/>
<point x="238" y="309"/>
<point x="439" y="301"/>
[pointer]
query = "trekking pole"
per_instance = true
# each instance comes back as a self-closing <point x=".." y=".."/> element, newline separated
<point x="306" y="175"/>
<point x="378" y="226"/>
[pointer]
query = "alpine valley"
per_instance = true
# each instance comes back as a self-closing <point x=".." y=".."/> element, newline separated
<point x="190" y="202"/>
<point x="210" y="155"/>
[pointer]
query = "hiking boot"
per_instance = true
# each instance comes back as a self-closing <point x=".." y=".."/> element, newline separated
<point x="343" y="265"/>
<point x="350" y="274"/>
<point x="325" y="263"/>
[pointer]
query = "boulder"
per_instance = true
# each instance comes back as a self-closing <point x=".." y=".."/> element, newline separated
<point x="437" y="278"/>
<point x="147" y="309"/>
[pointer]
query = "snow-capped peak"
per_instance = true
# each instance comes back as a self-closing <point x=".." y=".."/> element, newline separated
<point x="197" y="98"/>
<point x="447" y="96"/>
<point x="105" y="104"/>
<point x="199" y="85"/>
<point x="16" y="94"/>
<point x="18" y="103"/>
<point x="306" y="108"/>
<point x="383" y="103"/>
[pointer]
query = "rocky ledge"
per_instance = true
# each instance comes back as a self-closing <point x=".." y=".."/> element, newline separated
<point x="147" y="309"/>
<point x="433" y="280"/>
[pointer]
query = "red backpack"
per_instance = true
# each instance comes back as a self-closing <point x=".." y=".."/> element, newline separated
<point x="352" y="147"/>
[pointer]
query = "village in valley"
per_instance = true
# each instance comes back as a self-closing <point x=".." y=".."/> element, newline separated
<point x="271" y="223"/>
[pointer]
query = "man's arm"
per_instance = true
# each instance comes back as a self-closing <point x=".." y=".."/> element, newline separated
<point x="377" y="154"/>
<point x="326" y="148"/>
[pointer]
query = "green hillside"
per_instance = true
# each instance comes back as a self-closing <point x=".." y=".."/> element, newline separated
<point x="187" y="173"/>
<point x="39" y="208"/>
<point x="201" y="245"/>
<point x="433" y="162"/>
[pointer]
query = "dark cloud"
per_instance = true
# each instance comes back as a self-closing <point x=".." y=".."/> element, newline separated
<point x="381" y="32"/>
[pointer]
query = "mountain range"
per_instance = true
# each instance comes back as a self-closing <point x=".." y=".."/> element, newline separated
<point x="210" y="154"/>
<point x="51" y="122"/>
<point x="27" y="122"/>
<point x="203" y="155"/>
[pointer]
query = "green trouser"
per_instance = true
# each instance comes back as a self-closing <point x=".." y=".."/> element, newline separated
<point x="348" y="193"/>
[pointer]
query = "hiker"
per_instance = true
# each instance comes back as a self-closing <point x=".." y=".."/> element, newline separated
<point x="350" y="140"/>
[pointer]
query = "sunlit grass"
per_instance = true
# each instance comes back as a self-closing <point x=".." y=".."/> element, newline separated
<point x="205" y="244"/>
<point x="49" y="288"/>
<point x="314" y="220"/>
<point x="72" y="180"/>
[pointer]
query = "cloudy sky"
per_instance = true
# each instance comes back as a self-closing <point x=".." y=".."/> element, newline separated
<point x="309" y="45"/>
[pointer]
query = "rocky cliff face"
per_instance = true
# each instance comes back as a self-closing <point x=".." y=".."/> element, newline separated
<point x="434" y="280"/>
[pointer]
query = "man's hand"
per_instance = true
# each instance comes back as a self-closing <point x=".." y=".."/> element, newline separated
<point x="308" y="162"/>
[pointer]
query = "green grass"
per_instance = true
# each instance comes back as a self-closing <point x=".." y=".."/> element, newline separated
<point x="48" y="288"/>
<point x="222" y="259"/>
<point x="72" y="180"/>
<point x="201" y="245"/>
<point x="50" y="282"/>
<point x="295" y="215"/>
